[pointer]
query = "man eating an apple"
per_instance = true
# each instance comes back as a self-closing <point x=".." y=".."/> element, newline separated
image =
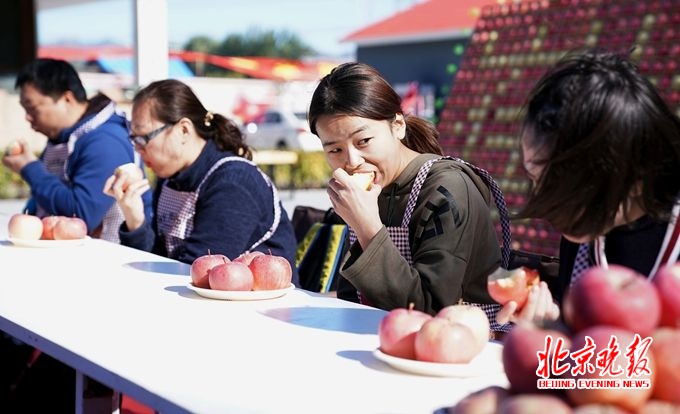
<point x="87" y="139"/>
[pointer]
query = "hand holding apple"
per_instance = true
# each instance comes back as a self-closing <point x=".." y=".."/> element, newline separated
<point x="17" y="155"/>
<point x="512" y="285"/>
<point x="363" y="179"/>
<point x="128" y="174"/>
<point x="540" y="307"/>
<point x="14" y="148"/>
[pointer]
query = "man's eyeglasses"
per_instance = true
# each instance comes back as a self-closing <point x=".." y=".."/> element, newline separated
<point x="142" y="140"/>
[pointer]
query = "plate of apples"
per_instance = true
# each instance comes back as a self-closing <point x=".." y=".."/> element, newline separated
<point x="251" y="276"/>
<point x="453" y="343"/>
<point x="26" y="230"/>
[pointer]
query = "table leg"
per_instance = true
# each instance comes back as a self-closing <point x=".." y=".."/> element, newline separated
<point x="94" y="404"/>
<point x="80" y="389"/>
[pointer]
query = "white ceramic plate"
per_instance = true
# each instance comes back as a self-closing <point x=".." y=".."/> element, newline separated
<point x="240" y="295"/>
<point x="47" y="243"/>
<point x="489" y="361"/>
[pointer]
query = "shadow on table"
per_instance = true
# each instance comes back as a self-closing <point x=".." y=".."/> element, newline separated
<point x="367" y="359"/>
<point x="170" y="268"/>
<point x="353" y="320"/>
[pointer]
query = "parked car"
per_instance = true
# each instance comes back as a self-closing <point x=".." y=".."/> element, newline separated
<point x="281" y="129"/>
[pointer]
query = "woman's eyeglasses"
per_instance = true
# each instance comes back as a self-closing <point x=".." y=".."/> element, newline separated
<point x="142" y="140"/>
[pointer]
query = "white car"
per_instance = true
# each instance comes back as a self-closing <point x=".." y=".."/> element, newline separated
<point x="282" y="130"/>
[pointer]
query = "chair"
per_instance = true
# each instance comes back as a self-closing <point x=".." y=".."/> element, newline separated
<point x="320" y="248"/>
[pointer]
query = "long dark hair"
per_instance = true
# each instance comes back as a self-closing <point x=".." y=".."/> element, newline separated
<point x="171" y="100"/>
<point x="357" y="89"/>
<point x="603" y="134"/>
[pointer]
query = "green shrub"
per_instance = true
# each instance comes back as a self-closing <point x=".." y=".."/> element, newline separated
<point x="12" y="185"/>
<point x="311" y="171"/>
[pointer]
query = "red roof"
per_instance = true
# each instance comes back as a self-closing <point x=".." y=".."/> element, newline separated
<point x="427" y="20"/>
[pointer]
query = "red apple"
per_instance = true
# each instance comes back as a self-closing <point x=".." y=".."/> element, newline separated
<point x="202" y="265"/>
<point x="520" y="354"/>
<point x="599" y="409"/>
<point x="271" y="272"/>
<point x="69" y="228"/>
<point x="14" y="148"/>
<point x="230" y="276"/>
<point x="397" y="331"/>
<point x="534" y="404"/>
<point x="440" y="340"/>
<point x="667" y="283"/>
<point x="129" y="173"/>
<point x="616" y="296"/>
<point x="248" y="257"/>
<point x="48" y="226"/>
<point x="485" y="401"/>
<point x="471" y="316"/>
<point x="665" y="349"/>
<point x="25" y="226"/>
<point x="512" y="285"/>
<point x="631" y="399"/>
<point x="658" y="407"/>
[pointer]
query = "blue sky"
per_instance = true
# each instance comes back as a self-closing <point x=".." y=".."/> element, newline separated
<point x="319" y="23"/>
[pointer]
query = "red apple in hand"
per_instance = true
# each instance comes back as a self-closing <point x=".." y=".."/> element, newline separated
<point x="471" y="316"/>
<point x="664" y="346"/>
<point x="230" y="276"/>
<point x="616" y="296"/>
<point x="440" y="340"/>
<point x="69" y="228"/>
<point x="202" y="265"/>
<point x="25" y="226"/>
<point x="14" y="148"/>
<point x="246" y="258"/>
<point x="512" y="285"/>
<point x="667" y="283"/>
<point x="271" y="272"/>
<point x="397" y="331"/>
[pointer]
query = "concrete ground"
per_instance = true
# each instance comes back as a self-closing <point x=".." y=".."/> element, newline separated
<point x="290" y="198"/>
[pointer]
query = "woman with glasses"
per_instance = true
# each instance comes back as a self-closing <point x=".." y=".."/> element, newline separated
<point x="209" y="196"/>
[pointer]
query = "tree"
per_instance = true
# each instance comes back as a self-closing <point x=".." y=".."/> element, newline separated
<point x="254" y="42"/>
